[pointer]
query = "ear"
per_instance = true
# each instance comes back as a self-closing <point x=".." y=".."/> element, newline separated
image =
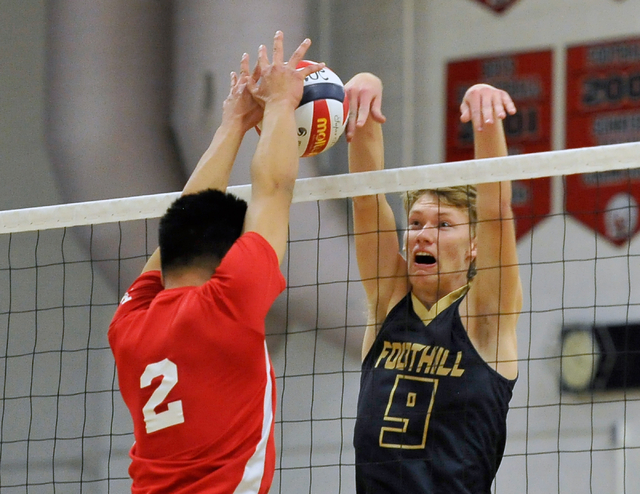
<point x="404" y="240"/>
<point x="473" y="251"/>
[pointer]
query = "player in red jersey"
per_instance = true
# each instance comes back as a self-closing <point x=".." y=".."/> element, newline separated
<point x="188" y="337"/>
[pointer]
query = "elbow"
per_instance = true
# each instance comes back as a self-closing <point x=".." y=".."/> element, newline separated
<point x="286" y="180"/>
<point x="281" y="185"/>
<point x="502" y="207"/>
<point x="274" y="179"/>
<point x="496" y="212"/>
<point x="506" y="210"/>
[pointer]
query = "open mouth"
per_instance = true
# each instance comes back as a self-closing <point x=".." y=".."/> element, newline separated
<point x="426" y="259"/>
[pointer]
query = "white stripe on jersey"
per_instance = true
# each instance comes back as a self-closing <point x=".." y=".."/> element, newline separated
<point x="254" y="469"/>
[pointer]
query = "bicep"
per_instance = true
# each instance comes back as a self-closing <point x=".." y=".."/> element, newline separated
<point x="498" y="286"/>
<point x="268" y="215"/>
<point x="153" y="264"/>
<point x="377" y="251"/>
<point x="139" y="295"/>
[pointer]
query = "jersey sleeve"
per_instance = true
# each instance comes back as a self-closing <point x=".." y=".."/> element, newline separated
<point x="139" y="295"/>
<point x="249" y="278"/>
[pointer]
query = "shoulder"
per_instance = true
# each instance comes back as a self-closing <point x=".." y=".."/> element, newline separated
<point x="140" y="294"/>
<point x="149" y="282"/>
<point x="250" y="268"/>
<point x="385" y="318"/>
<point x="255" y="243"/>
<point x="389" y="295"/>
<point x="251" y="250"/>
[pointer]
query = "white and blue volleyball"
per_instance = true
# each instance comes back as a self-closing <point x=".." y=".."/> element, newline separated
<point x="322" y="113"/>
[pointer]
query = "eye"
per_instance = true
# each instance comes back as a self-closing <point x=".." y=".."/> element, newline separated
<point x="445" y="224"/>
<point x="414" y="225"/>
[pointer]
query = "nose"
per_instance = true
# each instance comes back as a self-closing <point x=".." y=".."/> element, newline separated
<point x="428" y="234"/>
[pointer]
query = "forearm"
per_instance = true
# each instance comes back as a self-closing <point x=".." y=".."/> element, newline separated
<point x="275" y="162"/>
<point x="366" y="149"/>
<point x="494" y="199"/>
<point x="366" y="153"/>
<point x="490" y="142"/>
<point x="214" y="168"/>
<point x="497" y="260"/>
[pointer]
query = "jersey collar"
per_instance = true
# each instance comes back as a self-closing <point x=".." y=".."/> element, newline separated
<point x="428" y="315"/>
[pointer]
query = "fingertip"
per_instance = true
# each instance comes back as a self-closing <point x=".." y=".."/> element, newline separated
<point x="377" y="115"/>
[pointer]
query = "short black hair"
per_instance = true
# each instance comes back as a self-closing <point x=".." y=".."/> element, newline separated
<point x="200" y="229"/>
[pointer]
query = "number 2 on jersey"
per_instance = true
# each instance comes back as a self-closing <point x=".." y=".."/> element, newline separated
<point x="173" y="415"/>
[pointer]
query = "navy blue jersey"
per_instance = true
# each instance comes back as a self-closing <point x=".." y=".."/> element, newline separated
<point x="431" y="412"/>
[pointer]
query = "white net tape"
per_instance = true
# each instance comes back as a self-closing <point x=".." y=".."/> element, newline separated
<point x="553" y="163"/>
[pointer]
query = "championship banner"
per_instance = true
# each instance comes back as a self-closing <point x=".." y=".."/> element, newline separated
<point x="498" y="5"/>
<point x="527" y="77"/>
<point x="603" y="107"/>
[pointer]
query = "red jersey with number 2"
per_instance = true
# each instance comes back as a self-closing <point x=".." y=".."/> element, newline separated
<point x="194" y="371"/>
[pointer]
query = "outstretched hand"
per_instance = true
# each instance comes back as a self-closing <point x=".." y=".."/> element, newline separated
<point x="364" y="92"/>
<point x="240" y="105"/>
<point x="281" y="81"/>
<point x="483" y="104"/>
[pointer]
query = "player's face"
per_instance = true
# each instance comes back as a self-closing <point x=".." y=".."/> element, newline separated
<point x="439" y="245"/>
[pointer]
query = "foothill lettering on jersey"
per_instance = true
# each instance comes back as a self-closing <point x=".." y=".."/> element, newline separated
<point x="420" y="359"/>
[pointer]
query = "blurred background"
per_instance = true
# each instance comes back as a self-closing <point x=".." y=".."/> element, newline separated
<point x="114" y="98"/>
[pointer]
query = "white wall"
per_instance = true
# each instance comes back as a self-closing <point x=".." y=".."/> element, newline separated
<point x="26" y="179"/>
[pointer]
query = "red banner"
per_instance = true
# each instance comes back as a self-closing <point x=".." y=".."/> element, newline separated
<point x="498" y="5"/>
<point x="527" y="77"/>
<point x="603" y="107"/>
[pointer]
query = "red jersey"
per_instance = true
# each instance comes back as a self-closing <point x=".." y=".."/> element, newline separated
<point x="194" y="371"/>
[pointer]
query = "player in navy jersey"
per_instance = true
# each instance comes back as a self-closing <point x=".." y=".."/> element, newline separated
<point x="440" y="350"/>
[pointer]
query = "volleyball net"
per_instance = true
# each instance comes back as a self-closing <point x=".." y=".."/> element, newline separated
<point x="574" y="423"/>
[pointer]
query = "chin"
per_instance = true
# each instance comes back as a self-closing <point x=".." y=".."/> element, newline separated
<point x="424" y="280"/>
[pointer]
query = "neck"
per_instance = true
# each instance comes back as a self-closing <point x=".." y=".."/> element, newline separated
<point x="429" y="294"/>
<point x="427" y="298"/>
<point x="191" y="276"/>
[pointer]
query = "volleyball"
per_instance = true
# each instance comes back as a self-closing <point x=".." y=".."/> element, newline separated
<point x="322" y="114"/>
